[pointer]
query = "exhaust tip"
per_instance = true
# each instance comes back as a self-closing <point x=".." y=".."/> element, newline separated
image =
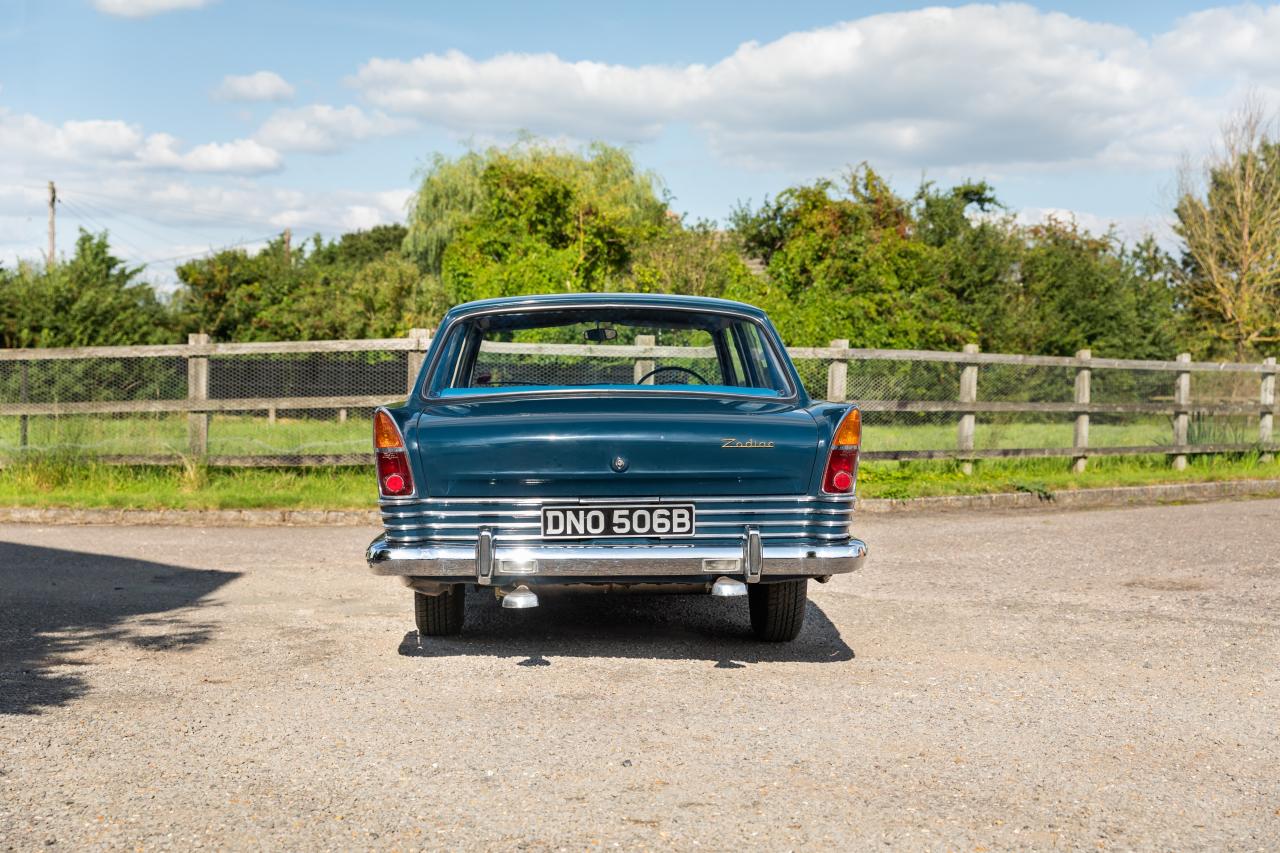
<point x="728" y="588"/>
<point x="520" y="598"/>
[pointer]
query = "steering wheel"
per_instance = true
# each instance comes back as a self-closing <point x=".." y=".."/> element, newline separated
<point x="692" y="373"/>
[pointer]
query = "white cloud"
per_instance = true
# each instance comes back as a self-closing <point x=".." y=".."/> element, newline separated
<point x="323" y="129"/>
<point x="145" y="8"/>
<point x="1129" y="229"/>
<point x="976" y="86"/>
<point x="117" y="143"/>
<point x="240" y="157"/>
<point x="162" y="218"/>
<point x="258" y="86"/>
<point x="535" y="91"/>
<point x="25" y="133"/>
<point x="1239" y="41"/>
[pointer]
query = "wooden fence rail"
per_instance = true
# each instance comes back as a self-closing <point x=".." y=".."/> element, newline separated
<point x="841" y="361"/>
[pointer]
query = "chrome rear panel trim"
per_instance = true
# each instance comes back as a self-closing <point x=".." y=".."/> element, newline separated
<point x="821" y="518"/>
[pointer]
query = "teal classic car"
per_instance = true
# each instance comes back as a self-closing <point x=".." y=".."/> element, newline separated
<point x="637" y="441"/>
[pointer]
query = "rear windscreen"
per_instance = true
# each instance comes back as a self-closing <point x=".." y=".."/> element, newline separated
<point x="609" y="348"/>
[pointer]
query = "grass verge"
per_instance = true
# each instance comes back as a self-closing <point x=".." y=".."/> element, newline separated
<point x="916" y="479"/>
<point x="51" y="482"/>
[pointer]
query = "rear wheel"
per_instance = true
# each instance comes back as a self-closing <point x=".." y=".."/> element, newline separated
<point x="440" y="615"/>
<point x="777" y="609"/>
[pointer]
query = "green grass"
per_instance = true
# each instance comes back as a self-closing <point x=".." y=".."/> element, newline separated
<point x="57" y="470"/>
<point x="229" y="435"/>
<point x="1044" y="476"/>
<point x="246" y="435"/>
<point x="1137" y="433"/>
<point x="54" y="482"/>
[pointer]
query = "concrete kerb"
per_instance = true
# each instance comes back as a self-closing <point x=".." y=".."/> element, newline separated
<point x="1070" y="499"/>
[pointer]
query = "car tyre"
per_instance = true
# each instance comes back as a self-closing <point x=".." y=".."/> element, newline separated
<point x="440" y="615"/>
<point x="777" y="609"/>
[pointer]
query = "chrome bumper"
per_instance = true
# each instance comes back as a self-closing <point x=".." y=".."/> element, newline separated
<point x="488" y="560"/>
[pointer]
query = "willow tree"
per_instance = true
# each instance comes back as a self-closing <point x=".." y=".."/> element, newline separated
<point x="1228" y="217"/>
<point x="533" y="217"/>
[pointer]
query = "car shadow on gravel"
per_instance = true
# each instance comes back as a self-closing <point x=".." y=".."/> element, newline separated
<point x="660" y="627"/>
<point x="56" y="604"/>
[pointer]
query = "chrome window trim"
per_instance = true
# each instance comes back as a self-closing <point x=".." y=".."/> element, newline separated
<point x="775" y="346"/>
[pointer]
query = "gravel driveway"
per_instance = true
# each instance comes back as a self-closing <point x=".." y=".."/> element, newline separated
<point x="1103" y="679"/>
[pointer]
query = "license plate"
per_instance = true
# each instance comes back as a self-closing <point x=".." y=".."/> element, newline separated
<point x="597" y="521"/>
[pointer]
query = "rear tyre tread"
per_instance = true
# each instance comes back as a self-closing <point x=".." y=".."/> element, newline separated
<point x="777" y="609"/>
<point x="440" y="615"/>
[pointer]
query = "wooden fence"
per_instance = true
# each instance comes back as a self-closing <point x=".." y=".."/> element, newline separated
<point x="965" y="403"/>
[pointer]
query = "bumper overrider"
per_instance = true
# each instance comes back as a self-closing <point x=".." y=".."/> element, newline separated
<point x="488" y="560"/>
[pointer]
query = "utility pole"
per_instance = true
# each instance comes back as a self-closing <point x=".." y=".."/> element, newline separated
<point x="53" y="233"/>
<point x="288" y="242"/>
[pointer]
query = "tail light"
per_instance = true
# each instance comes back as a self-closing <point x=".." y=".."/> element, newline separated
<point x="395" y="477"/>
<point x="842" y="461"/>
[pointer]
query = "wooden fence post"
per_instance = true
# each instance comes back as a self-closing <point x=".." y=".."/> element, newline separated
<point x="1084" y="379"/>
<point x="1182" y="412"/>
<point x="643" y="366"/>
<point x="838" y="375"/>
<point x="1268" y="400"/>
<point x="197" y="389"/>
<point x="25" y="398"/>
<point x="968" y="420"/>
<point x="421" y="340"/>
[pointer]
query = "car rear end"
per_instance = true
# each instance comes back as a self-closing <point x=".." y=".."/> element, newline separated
<point x="697" y="464"/>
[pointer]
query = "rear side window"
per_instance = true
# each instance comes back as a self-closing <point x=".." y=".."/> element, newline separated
<point x="627" y="348"/>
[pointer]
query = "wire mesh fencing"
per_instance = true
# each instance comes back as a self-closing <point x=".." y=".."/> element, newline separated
<point x="310" y="403"/>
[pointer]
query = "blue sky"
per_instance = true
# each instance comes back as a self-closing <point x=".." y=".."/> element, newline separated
<point x="182" y="125"/>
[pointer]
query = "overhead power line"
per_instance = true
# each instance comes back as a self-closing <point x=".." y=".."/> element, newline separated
<point x="81" y="211"/>
<point x="213" y="250"/>
<point x="84" y="215"/>
<point x="178" y="208"/>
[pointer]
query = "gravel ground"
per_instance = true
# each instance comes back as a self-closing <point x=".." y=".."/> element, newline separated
<point x="1100" y="679"/>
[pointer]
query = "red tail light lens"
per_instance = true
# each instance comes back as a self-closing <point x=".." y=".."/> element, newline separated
<point x="395" y="477"/>
<point x="842" y="462"/>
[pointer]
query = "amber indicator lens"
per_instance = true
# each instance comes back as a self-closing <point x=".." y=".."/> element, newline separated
<point x="385" y="434"/>
<point x="849" y="433"/>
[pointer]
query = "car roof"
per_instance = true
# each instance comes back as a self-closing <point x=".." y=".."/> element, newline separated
<point x="570" y="300"/>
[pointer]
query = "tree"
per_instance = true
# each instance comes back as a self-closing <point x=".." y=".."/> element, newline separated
<point x="696" y="260"/>
<point x="533" y="218"/>
<point x="1228" y="216"/>
<point x="225" y="294"/>
<point x="93" y="299"/>
<point x="845" y="262"/>
<point x="359" y="285"/>
<point x="1089" y="291"/>
<point x="948" y="267"/>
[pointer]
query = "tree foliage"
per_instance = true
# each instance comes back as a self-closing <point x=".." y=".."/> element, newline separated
<point x="851" y="259"/>
<point x="93" y="299"/>
<point x="948" y="267"/>
<point x="533" y="218"/>
<point x="1228" y="216"/>
<point x="359" y="285"/>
